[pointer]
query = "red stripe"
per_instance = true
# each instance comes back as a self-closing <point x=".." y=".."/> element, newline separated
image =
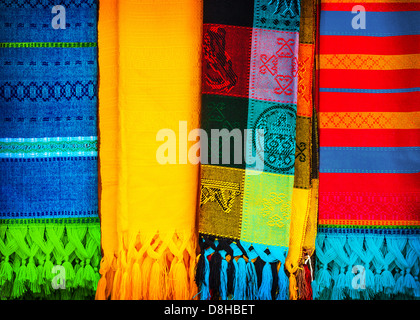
<point x="369" y="138"/>
<point x="369" y="45"/>
<point x="369" y="79"/>
<point x="365" y="102"/>
<point x="371" y="7"/>
<point x="369" y="182"/>
<point x="379" y="208"/>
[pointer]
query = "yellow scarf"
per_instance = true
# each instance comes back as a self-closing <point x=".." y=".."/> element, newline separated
<point x="149" y="67"/>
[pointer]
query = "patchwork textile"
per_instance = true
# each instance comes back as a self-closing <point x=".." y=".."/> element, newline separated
<point x="49" y="225"/>
<point x="149" y="100"/>
<point x="368" y="244"/>
<point x="303" y="227"/>
<point x="249" y="87"/>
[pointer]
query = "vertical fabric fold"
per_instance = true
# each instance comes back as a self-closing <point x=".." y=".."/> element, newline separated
<point x="305" y="189"/>
<point x="149" y="102"/>
<point x="369" y="209"/>
<point x="249" y="98"/>
<point x="49" y="224"/>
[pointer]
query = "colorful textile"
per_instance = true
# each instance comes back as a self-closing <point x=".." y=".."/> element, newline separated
<point x="304" y="217"/>
<point x="249" y="86"/>
<point x="149" y="63"/>
<point x="49" y="225"/>
<point x="368" y="244"/>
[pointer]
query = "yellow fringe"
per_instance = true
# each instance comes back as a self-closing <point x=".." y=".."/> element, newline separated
<point x="293" y="289"/>
<point x="150" y="268"/>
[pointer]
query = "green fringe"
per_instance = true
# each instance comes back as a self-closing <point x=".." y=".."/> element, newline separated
<point x="34" y="255"/>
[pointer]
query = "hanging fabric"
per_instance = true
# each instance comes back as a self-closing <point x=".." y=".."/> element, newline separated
<point x="49" y="225"/>
<point x="149" y="100"/>
<point x="368" y="242"/>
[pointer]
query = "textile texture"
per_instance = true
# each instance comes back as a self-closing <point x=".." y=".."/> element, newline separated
<point x="303" y="227"/>
<point x="149" y="64"/>
<point x="249" y="87"/>
<point x="49" y="223"/>
<point x="368" y="244"/>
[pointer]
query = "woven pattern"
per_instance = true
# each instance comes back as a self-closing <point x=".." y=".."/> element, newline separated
<point x="369" y="211"/>
<point x="250" y="77"/>
<point x="48" y="151"/>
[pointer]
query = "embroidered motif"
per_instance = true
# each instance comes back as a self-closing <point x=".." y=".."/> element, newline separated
<point x="306" y="64"/>
<point x="300" y="149"/>
<point x="277" y="147"/>
<point x="222" y="192"/>
<point x="369" y="62"/>
<point x="284" y="81"/>
<point x="285" y="7"/>
<point x="221" y="201"/>
<point x="220" y="74"/>
<point x="369" y="120"/>
<point x="48" y="91"/>
<point x="273" y="213"/>
<point x="48" y="4"/>
<point x="277" y="14"/>
<point x="274" y="74"/>
<point x="266" y="218"/>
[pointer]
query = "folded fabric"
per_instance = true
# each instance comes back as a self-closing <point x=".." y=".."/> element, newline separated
<point x="368" y="244"/>
<point x="49" y="225"/>
<point x="149" y="64"/>
<point x="303" y="225"/>
<point x="249" y="86"/>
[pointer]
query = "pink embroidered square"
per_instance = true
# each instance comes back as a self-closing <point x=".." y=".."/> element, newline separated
<point x="274" y="66"/>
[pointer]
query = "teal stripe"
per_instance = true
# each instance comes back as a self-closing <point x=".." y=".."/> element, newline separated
<point x="48" y="44"/>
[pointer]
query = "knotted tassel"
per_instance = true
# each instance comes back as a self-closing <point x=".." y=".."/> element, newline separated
<point x="102" y="284"/>
<point x="409" y="283"/>
<point x="6" y="271"/>
<point x="19" y="284"/>
<point x="199" y="270"/>
<point x="88" y="274"/>
<point x="136" y="286"/>
<point x="378" y="289"/>
<point x="339" y="287"/>
<point x="69" y="273"/>
<point x="399" y="283"/>
<point x="79" y="278"/>
<point x="324" y="277"/>
<point x="283" y="284"/>
<point x="214" y="277"/>
<point x="301" y="283"/>
<point x="387" y="281"/>
<point x="252" y="281"/>
<point x="205" y="289"/>
<point x="308" y="280"/>
<point x="240" y="280"/>
<point x="125" y="292"/>
<point x="223" y="280"/>
<point x="352" y="292"/>
<point x="293" y="292"/>
<point x="231" y="272"/>
<point x="264" y="292"/>
<point x="146" y="268"/>
<point x="179" y="280"/>
<point x="116" y="286"/>
<point x="32" y="276"/>
<point x="100" y="290"/>
<point x="157" y="285"/>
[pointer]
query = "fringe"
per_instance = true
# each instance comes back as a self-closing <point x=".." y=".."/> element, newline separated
<point x="301" y="277"/>
<point x="367" y="266"/>
<point x="49" y="260"/>
<point x="152" y="267"/>
<point x="240" y="272"/>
